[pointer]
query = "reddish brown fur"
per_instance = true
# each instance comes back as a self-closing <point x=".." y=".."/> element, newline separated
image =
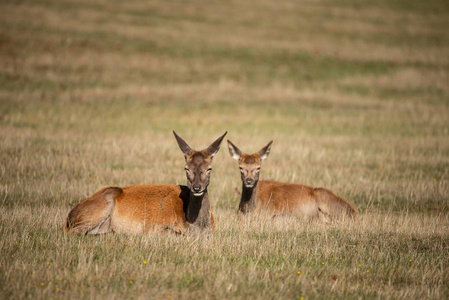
<point x="144" y="208"/>
<point x="93" y="214"/>
<point x="304" y="201"/>
<point x="285" y="198"/>
<point x="250" y="159"/>
<point x="137" y="209"/>
<point x="140" y="209"/>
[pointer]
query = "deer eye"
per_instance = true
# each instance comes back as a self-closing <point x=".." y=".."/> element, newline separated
<point x="209" y="169"/>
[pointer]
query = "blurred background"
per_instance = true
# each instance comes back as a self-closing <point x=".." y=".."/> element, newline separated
<point x="354" y="94"/>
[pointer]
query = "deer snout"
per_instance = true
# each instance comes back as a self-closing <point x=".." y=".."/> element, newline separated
<point x="249" y="182"/>
<point x="196" y="188"/>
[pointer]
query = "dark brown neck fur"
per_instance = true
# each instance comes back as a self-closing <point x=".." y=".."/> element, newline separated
<point x="197" y="210"/>
<point x="248" y="199"/>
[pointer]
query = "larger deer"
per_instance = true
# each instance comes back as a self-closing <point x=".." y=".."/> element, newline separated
<point x="284" y="198"/>
<point x="140" y="209"/>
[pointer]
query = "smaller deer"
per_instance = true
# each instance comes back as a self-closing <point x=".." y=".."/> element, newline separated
<point x="284" y="198"/>
<point x="144" y="208"/>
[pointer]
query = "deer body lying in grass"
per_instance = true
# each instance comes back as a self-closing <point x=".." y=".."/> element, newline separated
<point x="285" y="198"/>
<point x="140" y="209"/>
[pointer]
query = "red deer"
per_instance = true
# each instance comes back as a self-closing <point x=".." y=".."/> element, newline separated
<point x="140" y="209"/>
<point x="284" y="198"/>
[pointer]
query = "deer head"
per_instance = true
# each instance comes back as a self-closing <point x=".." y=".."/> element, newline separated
<point x="249" y="163"/>
<point x="198" y="164"/>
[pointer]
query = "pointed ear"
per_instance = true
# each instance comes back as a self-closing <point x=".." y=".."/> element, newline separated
<point x="182" y="145"/>
<point x="215" y="146"/>
<point x="234" y="151"/>
<point x="263" y="153"/>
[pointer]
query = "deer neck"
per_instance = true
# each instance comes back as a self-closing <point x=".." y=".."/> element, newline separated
<point x="248" y="199"/>
<point x="198" y="211"/>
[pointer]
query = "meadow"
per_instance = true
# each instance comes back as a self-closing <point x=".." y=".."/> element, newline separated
<point x="354" y="94"/>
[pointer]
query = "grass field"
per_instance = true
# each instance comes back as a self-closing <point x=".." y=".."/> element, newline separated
<point x="355" y="95"/>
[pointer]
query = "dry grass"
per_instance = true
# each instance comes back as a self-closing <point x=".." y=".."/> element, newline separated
<point x="354" y="95"/>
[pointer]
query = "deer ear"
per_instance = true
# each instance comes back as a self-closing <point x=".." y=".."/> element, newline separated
<point x="182" y="145"/>
<point x="263" y="153"/>
<point x="215" y="146"/>
<point x="234" y="151"/>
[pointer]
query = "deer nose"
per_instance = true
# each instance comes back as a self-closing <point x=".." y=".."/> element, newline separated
<point x="249" y="181"/>
<point x="196" y="188"/>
